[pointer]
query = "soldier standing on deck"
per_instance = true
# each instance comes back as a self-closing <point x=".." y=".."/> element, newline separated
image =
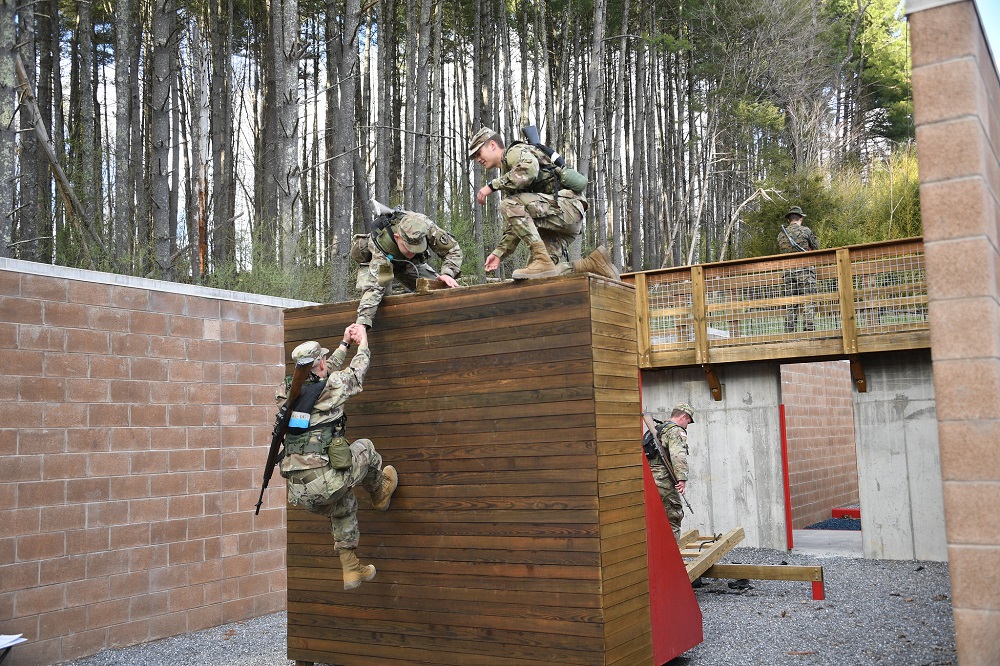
<point x="319" y="464"/>
<point x="798" y="281"/>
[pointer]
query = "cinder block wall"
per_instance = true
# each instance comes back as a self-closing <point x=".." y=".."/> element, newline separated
<point x="134" y="420"/>
<point x="956" y="95"/>
<point x="819" y="422"/>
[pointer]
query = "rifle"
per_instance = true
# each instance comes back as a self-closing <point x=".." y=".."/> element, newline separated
<point x="299" y="377"/>
<point x="648" y="420"/>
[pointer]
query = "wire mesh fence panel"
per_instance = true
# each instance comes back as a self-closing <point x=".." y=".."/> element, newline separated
<point x="790" y="299"/>
<point x="772" y="301"/>
<point x="890" y="289"/>
<point x="671" y="323"/>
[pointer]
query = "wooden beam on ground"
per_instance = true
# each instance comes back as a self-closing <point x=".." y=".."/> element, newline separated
<point x="813" y="574"/>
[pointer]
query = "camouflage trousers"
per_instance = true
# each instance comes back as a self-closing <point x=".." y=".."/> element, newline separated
<point x="332" y="493"/>
<point x="800" y="282"/>
<point x="669" y="496"/>
<point x="534" y="217"/>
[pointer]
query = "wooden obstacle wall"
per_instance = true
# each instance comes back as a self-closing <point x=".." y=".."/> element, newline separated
<point x="517" y="534"/>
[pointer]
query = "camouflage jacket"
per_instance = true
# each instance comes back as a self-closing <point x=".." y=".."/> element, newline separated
<point x="439" y="241"/>
<point x="340" y="385"/>
<point x="797" y="235"/>
<point x="521" y="170"/>
<point x="673" y="438"/>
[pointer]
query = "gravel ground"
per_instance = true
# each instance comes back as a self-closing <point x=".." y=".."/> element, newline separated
<point x="875" y="612"/>
<point x="853" y="524"/>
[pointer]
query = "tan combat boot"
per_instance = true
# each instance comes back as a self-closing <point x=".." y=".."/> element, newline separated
<point x="354" y="573"/>
<point x="540" y="266"/>
<point x="599" y="262"/>
<point x="382" y="496"/>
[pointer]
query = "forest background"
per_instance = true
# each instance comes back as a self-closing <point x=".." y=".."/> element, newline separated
<point x="239" y="143"/>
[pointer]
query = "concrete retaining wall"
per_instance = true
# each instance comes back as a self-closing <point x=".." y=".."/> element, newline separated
<point x="735" y="448"/>
<point x="902" y="514"/>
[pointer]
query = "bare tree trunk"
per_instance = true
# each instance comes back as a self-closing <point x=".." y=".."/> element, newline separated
<point x="387" y="80"/>
<point x="284" y="23"/>
<point x="85" y="121"/>
<point x="480" y="114"/>
<point x="637" y="196"/>
<point x="418" y="164"/>
<point x="197" y="203"/>
<point x="435" y="189"/>
<point x="593" y="102"/>
<point x="8" y="105"/>
<point x="29" y="222"/>
<point x="122" y="220"/>
<point x="411" y="46"/>
<point x="175" y="153"/>
<point x="343" y="173"/>
<point x="43" y="93"/>
<point x="136" y="164"/>
<point x="164" y="21"/>
<point x="616" y="187"/>
<point x="221" y="103"/>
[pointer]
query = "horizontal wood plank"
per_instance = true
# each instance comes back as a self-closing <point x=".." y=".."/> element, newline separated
<point x="517" y="533"/>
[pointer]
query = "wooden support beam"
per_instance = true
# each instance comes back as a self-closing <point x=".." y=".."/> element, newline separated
<point x="813" y="574"/>
<point x="858" y="374"/>
<point x="765" y="572"/>
<point x="713" y="381"/>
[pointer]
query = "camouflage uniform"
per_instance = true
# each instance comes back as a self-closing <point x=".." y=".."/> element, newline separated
<point x="313" y="484"/>
<point x="673" y="439"/>
<point x="799" y="281"/>
<point x="375" y="275"/>
<point x="529" y="195"/>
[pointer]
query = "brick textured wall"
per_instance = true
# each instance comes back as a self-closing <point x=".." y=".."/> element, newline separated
<point x="822" y="454"/>
<point x="134" y="422"/>
<point x="956" y="96"/>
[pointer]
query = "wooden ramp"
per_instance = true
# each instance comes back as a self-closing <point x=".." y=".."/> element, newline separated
<point x="701" y="554"/>
<point x="517" y="536"/>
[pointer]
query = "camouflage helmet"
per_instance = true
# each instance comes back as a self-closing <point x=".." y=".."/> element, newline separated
<point x="309" y="350"/>
<point x="479" y="140"/>
<point x="685" y="408"/>
<point x="795" y="210"/>
<point x="412" y="230"/>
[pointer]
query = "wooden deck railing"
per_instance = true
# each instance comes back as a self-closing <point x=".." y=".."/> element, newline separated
<point x="864" y="298"/>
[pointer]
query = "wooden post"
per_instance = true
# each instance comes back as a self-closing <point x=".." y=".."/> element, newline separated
<point x="698" y="314"/>
<point x="845" y="290"/>
<point x="643" y="320"/>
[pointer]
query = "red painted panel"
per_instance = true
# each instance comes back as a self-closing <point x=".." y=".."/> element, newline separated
<point x="673" y="608"/>
<point x="846" y="512"/>
<point x="784" y="472"/>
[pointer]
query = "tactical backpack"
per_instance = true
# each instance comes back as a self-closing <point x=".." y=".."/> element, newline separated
<point x="567" y="177"/>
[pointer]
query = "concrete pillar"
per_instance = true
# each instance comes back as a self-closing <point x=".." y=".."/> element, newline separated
<point x="899" y="464"/>
<point x="735" y="448"/>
